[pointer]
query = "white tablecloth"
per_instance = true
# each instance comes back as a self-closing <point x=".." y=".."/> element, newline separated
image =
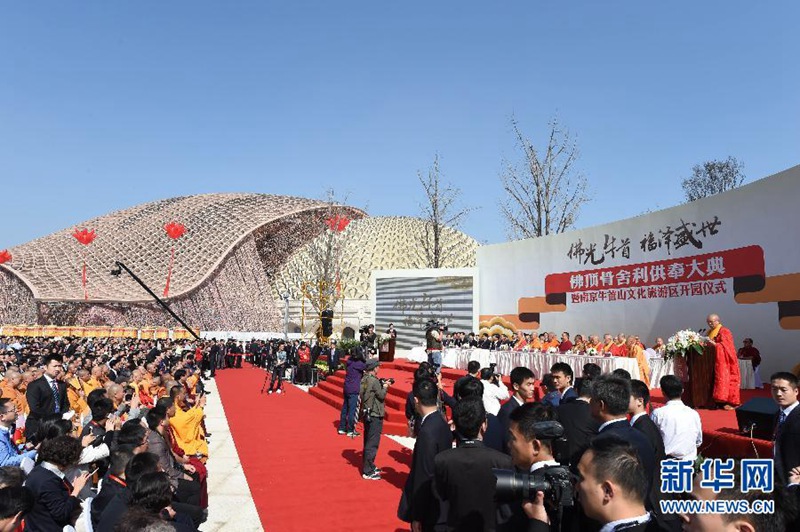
<point x="540" y="363"/>
<point x="660" y="367"/>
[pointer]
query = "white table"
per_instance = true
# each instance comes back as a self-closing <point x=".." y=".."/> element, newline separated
<point x="540" y="363"/>
<point x="660" y="367"/>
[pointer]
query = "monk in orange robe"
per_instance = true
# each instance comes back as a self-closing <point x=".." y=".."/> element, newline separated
<point x="608" y="344"/>
<point x="552" y="341"/>
<point x="535" y="343"/>
<point x="726" y="364"/>
<point x="635" y="351"/>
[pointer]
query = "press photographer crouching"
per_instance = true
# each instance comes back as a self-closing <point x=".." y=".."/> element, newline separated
<point x="533" y="433"/>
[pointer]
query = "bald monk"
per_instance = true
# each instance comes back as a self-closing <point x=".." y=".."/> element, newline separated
<point x="10" y="388"/>
<point x="635" y="351"/>
<point x="620" y="347"/>
<point x="608" y="343"/>
<point x="726" y="364"/>
<point x="552" y="341"/>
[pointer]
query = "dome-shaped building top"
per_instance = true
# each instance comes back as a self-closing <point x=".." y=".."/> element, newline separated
<point x="379" y="243"/>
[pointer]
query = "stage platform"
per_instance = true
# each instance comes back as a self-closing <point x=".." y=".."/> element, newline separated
<point x="721" y="438"/>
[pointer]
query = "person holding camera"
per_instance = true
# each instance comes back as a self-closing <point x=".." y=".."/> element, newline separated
<point x="532" y="432"/>
<point x="494" y="391"/>
<point x="433" y="344"/>
<point x="277" y="371"/>
<point x="372" y="394"/>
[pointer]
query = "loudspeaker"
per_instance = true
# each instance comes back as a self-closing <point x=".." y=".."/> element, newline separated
<point x="327" y="322"/>
<point x="759" y="413"/>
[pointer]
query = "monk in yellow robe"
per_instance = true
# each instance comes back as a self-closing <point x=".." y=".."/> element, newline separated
<point x="535" y="343"/>
<point x="76" y="393"/>
<point x="635" y="351"/>
<point x="187" y="423"/>
<point x="10" y="389"/>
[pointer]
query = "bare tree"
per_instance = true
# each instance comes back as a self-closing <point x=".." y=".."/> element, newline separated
<point x="713" y="177"/>
<point x="546" y="194"/>
<point x="442" y="215"/>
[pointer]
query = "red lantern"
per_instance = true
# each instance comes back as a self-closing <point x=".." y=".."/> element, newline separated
<point x="337" y="223"/>
<point x="85" y="237"/>
<point x="5" y="256"/>
<point x="174" y="230"/>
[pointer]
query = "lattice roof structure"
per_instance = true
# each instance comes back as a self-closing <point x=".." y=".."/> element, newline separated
<point x="216" y="224"/>
<point x="379" y="243"/>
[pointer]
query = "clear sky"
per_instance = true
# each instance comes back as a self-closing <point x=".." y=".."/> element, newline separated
<point x="105" y="105"/>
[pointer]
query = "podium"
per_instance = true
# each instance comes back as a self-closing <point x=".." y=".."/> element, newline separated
<point x="386" y="351"/>
<point x="699" y="391"/>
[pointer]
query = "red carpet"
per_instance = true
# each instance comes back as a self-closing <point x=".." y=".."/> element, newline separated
<point x="301" y="473"/>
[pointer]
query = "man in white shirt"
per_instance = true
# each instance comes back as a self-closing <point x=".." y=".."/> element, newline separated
<point x="679" y="425"/>
<point x="494" y="391"/>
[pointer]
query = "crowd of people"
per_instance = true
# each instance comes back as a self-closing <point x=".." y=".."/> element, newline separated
<point x="591" y="447"/>
<point x="107" y="430"/>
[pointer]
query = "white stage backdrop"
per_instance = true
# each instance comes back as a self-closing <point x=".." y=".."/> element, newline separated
<point x="409" y="298"/>
<point x="734" y="254"/>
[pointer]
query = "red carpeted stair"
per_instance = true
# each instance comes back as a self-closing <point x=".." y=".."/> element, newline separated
<point x="301" y="473"/>
<point x="330" y="391"/>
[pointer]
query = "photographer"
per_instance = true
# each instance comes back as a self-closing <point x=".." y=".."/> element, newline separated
<point x="372" y="394"/>
<point x="494" y="391"/>
<point x="278" y="369"/>
<point x="433" y="344"/>
<point x="532" y="449"/>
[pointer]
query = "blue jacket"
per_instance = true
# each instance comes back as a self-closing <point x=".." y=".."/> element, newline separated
<point x="8" y="451"/>
<point x="352" y="379"/>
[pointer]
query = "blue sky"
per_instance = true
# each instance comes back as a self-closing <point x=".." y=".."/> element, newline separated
<point x="105" y="105"/>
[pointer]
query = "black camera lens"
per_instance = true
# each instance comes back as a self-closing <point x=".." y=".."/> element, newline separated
<point x="512" y="486"/>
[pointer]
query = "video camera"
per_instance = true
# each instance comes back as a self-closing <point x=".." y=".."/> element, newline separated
<point x="435" y="324"/>
<point x="490" y="374"/>
<point x="555" y="482"/>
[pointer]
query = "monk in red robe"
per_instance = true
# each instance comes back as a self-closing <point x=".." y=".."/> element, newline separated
<point x="726" y="364"/>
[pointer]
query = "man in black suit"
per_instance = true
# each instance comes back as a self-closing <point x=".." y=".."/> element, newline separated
<point x="787" y="432"/>
<point x="417" y="504"/>
<point x="463" y="476"/>
<point x="579" y="425"/>
<point x="641" y="422"/>
<point x="612" y="485"/>
<point x="563" y="377"/>
<point x="473" y="372"/>
<point x="610" y="400"/>
<point x="46" y="395"/>
<point x="522" y="382"/>
<point x="333" y="357"/>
